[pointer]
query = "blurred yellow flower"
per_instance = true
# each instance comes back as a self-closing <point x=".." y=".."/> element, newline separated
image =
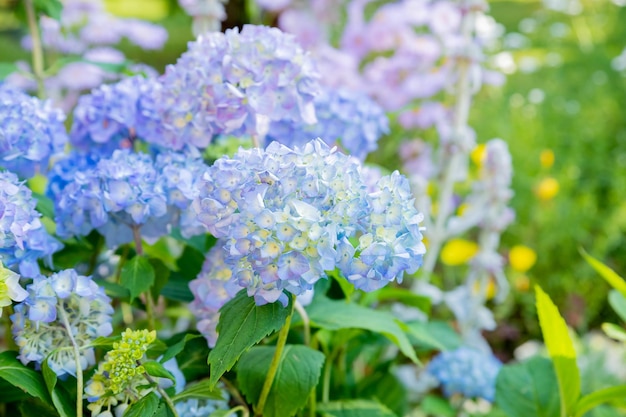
<point x="546" y="158"/>
<point x="522" y="283"/>
<point x="547" y="189"/>
<point x="142" y="9"/>
<point x="478" y="154"/>
<point x="458" y="251"/>
<point x="522" y="258"/>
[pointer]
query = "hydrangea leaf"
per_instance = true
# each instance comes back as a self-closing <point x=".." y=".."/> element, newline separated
<point x="599" y="397"/>
<point x="60" y="398"/>
<point x="334" y="315"/>
<point x="354" y="408"/>
<point x="199" y="390"/>
<point x="22" y="377"/>
<point x="51" y="8"/>
<point x="528" y="389"/>
<point x="561" y="350"/>
<point x="177" y="347"/>
<point x="157" y="369"/>
<point x="137" y="276"/>
<point x="298" y="373"/>
<point x="145" y="407"/>
<point x="242" y="324"/>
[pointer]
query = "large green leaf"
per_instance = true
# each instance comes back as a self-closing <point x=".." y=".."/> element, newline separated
<point x="437" y="335"/>
<point x="607" y="273"/>
<point x="145" y="407"/>
<point x="599" y="397"/>
<point x="403" y="295"/>
<point x="354" y="408"/>
<point x="137" y="276"/>
<point x="51" y="8"/>
<point x="177" y="347"/>
<point x="297" y="375"/>
<point x="528" y="389"/>
<point x="200" y="390"/>
<point x="61" y="400"/>
<point x="334" y="315"/>
<point x="156" y="369"/>
<point x="22" y="377"/>
<point x="242" y="324"/>
<point x="561" y="350"/>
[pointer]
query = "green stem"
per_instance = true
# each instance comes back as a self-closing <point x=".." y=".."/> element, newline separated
<point x="313" y="396"/>
<point x="148" y="294"/>
<point x="305" y="320"/>
<point x="326" y="381"/>
<point x="37" y="51"/>
<point x="161" y="391"/>
<point x="271" y="373"/>
<point x="237" y="397"/>
<point x="79" y="369"/>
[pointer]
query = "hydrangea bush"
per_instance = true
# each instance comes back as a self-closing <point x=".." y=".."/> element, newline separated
<point x="211" y="242"/>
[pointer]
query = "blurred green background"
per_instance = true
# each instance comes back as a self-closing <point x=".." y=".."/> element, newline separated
<point x="561" y="96"/>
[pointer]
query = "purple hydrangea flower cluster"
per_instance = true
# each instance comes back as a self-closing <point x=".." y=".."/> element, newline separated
<point x="466" y="371"/>
<point x="129" y="191"/>
<point x="212" y="289"/>
<point x="31" y="131"/>
<point x="23" y="239"/>
<point x="61" y="308"/>
<point x="348" y="117"/>
<point x="231" y="83"/>
<point x="289" y="215"/>
<point x="108" y="117"/>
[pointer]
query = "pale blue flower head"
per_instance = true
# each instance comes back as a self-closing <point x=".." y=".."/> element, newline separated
<point x="31" y="131"/>
<point x="61" y="305"/>
<point x="23" y="239"/>
<point x="231" y="83"/>
<point x="466" y="371"/>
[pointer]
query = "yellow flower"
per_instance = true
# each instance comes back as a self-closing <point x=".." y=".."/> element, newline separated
<point x="522" y="258"/>
<point x="547" y="189"/>
<point x="458" y="251"/>
<point x="522" y="283"/>
<point x="478" y="154"/>
<point x="546" y="158"/>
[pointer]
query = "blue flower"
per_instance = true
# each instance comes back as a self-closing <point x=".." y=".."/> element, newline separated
<point x="466" y="371"/>
<point x="23" y="239"/>
<point x="230" y="83"/>
<point x="31" y="131"/>
<point x="61" y="305"/>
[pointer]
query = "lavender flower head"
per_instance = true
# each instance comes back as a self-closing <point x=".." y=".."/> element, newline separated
<point x="60" y="308"/>
<point x="466" y="371"/>
<point x="289" y="215"/>
<point x="31" y="131"/>
<point x="344" y="116"/>
<point x="23" y="239"/>
<point x="231" y="83"/>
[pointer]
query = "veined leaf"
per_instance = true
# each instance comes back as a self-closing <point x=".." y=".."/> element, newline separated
<point x="354" y="408"/>
<point x="15" y="373"/>
<point x="137" y="276"/>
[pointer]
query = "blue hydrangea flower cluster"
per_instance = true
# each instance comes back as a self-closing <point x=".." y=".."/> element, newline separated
<point x="64" y="170"/>
<point x="23" y="239"/>
<point x="126" y="191"/>
<point x="231" y="83"/>
<point x="107" y="119"/>
<point x="466" y="371"/>
<point x="202" y="408"/>
<point x="211" y="290"/>
<point x="346" y="117"/>
<point x="289" y="215"/>
<point x="31" y="131"/>
<point x="60" y="308"/>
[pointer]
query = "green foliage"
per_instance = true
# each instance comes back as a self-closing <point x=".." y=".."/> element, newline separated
<point x="200" y="390"/>
<point x="298" y="373"/>
<point x="354" y="408"/>
<point x="145" y="407"/>
<point x="18" y="375"/>
<point x="51" y="8"/>
<point x="599" y="397"/>
<point x="178" y="347"/>
<point x="436" y="335"/>
<point x="137" y="276"/>
<point x="61" y="400"/>
<point x="156" y="369"/>
<point x="242" y="324"/>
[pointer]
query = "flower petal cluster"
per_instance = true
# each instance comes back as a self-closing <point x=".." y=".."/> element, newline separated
<point x="23" y="239"/>
<point x="211" y="290"/>
<point x="119" y="379"/>
<point x="10" y="288"/>
<point x="31" y="131"/>
<point x="348" y="117"/>
<point x="60" y="308"/>
<point x="466" y="371"/>
<point x="107" y="118"/>
<point x="202" y="408"/>
<point x="287" y="216"/>
<point x="231" y="83"/>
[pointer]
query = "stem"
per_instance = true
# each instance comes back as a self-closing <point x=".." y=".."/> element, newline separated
<point x="305" y="320"/>
<point x="79" y="369"/>
<point x="37" y="51"/>
<point x="161" y="391"/>
<point x="148" y="294"/>
<point x="326" y="381"/>
<point x="237" y="396"/>
<point x="137" y="237"/>
<point x="255" y="141"/>
<point x="271" y="373"/>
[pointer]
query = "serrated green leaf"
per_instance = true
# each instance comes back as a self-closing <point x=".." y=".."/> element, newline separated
<point x="618" y="303"/>
<point x="164" y="410"/>
<point x="145" y="407"/>
<point x="63" y="404"/>
<point x="137" y="276"/>
<point x="177" y="347"/>
<point x="157" y="369"/>
<point x="242" y="324"/>
<point x="561" y="350"/>
<point x="607" y="273"/>
<point x="200" y="390"/>
<point x="614" y="331"/>
<point x="227" y="413"/>
<point x="528" y="389"/>
<point x="599" y="397"/>
<point x="22" y="377"/>
<point x="334" y="315"/>
<point x="354" y="408"/>
<point x="297" y="375"/>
